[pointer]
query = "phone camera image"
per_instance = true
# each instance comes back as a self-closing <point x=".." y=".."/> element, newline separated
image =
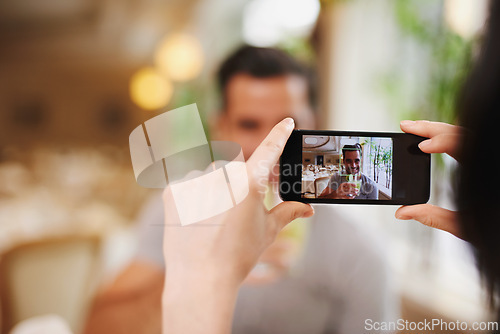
<point x="354" y="167"/>
<point x="347" y="167"/>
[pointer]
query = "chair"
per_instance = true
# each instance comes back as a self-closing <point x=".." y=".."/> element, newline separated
<point x="56" y="276"/>
<point x="320" y="184"/>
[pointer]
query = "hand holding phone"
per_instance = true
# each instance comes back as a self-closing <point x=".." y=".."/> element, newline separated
<point x="444" y="138"/>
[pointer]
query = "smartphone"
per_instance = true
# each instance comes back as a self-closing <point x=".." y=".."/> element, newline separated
<point x="347" y="167"/>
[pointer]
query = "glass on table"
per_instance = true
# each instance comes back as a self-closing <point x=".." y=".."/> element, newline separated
<point x="355" y="180"/>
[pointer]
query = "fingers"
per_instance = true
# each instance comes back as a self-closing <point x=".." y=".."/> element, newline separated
<point x="347" y="190"/>
<point x="285" y="212"/>
<point x="428" y="129"/>
<point x="268" y="152"/>
<point x="432" y="216"/>
<point x="443" y="143"/>
<point x="444" y="138"/>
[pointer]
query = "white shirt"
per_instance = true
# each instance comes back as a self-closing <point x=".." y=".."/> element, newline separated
<point x="342" y="280"/>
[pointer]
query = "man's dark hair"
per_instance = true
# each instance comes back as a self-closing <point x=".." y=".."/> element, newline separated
<point x="264" y="63"/>
<point x="355" y="147"/>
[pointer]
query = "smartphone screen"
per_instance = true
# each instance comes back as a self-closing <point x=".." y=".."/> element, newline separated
<point x="354" y="168"/>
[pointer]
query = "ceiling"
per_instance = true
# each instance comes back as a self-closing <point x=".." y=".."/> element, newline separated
<point x="98" y="33"/>
<point x="65" y="64"/>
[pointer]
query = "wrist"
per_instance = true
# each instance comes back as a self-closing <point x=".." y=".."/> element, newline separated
<point x="206" y="299"/>
<point x="177" y="280"/>
<point x="202" y="275"/>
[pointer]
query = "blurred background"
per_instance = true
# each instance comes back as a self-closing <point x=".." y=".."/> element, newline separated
<point x="77" y="76"/>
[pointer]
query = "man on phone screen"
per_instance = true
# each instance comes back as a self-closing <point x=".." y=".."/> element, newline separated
<point x="352" y="184"/>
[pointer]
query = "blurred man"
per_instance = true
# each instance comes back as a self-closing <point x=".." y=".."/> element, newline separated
<point x="338" y="279"/>
<point x="353" y="184"/>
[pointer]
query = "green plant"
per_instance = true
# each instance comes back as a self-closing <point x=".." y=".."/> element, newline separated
<point x="449" y="58"/>
<point x="381" y="158"/>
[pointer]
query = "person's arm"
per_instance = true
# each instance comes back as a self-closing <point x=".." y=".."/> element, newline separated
<point x="206" y="262"/>
<point x="328" y="193"/>
<point x="373" y="194"/>
<point x="135" y="294"/>
<point x="443" y="138"/>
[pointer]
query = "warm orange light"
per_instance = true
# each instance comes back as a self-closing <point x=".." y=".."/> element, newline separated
<point x="149" y="89"/>
<point x="180" y="57"/>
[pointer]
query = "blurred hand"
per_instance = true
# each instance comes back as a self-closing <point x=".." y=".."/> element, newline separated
<point x="443" y="138"/>
<point x="206" y="262"/>
<point x="345" y="190"/>
<point x="274" y="263"/>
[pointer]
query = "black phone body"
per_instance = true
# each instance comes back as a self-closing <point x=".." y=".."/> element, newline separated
<point x="352" y="167"/>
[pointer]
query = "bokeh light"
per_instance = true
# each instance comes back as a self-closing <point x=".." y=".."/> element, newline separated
<point x="149" y="89"/>
<point x="267" y="22"/>
<point x="465" y="17"/>
<point x="180" y="57"/>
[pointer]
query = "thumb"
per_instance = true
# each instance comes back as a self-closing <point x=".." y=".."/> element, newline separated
<point x="432" y="216"/>
<point x="285" y="212"/>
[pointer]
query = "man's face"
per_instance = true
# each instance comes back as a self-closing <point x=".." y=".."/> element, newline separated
<point x="352" y="161"/>
<point x="255" y="105"/>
